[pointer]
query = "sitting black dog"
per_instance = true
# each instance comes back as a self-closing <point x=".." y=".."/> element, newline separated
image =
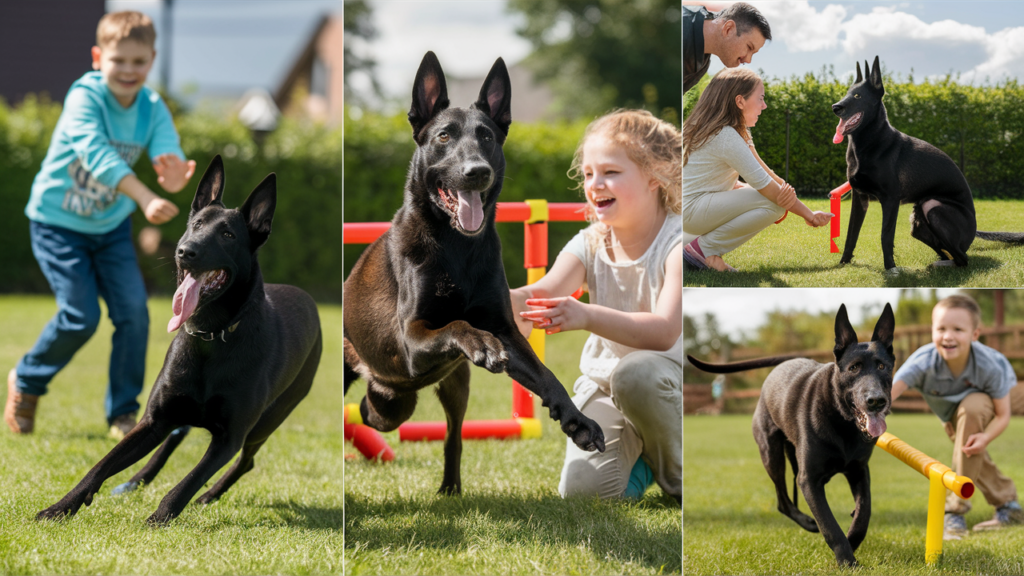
<point x="245" y="358"/>
<point x="431" y="292"/>
<point x="825" y="418"/>
<point x="885" y="164"/>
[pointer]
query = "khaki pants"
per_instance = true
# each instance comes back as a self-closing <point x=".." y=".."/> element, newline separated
<point x="642" y="418"/>
<point x="725" y="220"/>
<point x="972" y="416"/>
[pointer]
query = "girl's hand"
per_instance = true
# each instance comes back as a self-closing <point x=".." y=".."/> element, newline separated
<point x="556" y="314"/>
<point x="787" y="197"/>
<point x="173" y="173"/>
<point x="819" y="218"/>
<point x="976" y="443"/>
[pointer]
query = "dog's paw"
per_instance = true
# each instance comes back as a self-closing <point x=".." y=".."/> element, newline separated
<point x="55" y="512"/>
<point x="485" y="351"/>
<point x="584" y="432"/>
<point x="208" y="498"/>
<point x="160" y="518"/>
<point x="450" y="490"/>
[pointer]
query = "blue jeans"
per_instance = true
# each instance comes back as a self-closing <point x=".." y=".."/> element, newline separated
<point x="81" y="268"/>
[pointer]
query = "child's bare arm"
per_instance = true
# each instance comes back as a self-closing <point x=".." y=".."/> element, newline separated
<point x="656" y="330"/>
<point x="565" y="277"/>
<point x="898" y="388"/>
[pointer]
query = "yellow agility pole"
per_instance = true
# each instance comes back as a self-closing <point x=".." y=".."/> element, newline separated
<point x="940" y="478"/>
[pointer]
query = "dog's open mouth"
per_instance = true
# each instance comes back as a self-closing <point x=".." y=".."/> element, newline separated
<point x="190" y="291"/>
<point x="871" y="424"/>
<point x="846" y="126"/>
<point x="465" y="206"/>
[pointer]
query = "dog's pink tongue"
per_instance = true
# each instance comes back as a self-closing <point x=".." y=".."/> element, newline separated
<point x="471" y="210"/>
<point x="185" y="299"/>
<point x="839" y="132"/>
<point x="876" y="425"/>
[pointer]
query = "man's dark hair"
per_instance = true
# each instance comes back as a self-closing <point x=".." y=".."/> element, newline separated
<point x="746" y="17"/>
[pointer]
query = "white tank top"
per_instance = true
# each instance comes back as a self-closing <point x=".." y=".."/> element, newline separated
<point x="628" y="286"/>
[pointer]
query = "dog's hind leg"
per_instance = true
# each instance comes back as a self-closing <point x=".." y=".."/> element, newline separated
<point x="453" y="391"/>
<point x="156" y="462"/>
<point x="951" y="228"/>
<point x="136" y="444"/>
<point x="222" y="448"/>
<point x="243" y="464"/>
<point x="384" y="408"/>
<point x="860" y="484"/>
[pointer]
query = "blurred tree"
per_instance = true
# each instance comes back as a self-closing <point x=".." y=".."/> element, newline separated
<point x="704" y="339"/>
<point x="915" y="306"/>
<point x="785" y="332"/>
<point x="601" y="54"/>
<point x="359" y="24"/>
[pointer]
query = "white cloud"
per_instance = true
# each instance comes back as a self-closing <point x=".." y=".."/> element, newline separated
<point x="801" y="27"/>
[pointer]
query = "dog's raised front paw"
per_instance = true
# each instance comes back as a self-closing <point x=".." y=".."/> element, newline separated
<point x="485" y="351"/>
<point x="584" y="432"/>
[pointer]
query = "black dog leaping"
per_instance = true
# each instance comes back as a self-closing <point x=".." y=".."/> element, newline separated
<point x="887" y="165"/>
<point x="430" y="295"/>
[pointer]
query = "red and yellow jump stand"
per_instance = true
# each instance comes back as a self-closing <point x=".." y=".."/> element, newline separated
<point x="535" y="215"/>
<point x="940" y="478"/>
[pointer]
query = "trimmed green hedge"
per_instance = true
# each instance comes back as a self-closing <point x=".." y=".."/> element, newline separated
<point x="304" y="248"/>
<point x="980" y="127"/>
<point x="377" y="154"/>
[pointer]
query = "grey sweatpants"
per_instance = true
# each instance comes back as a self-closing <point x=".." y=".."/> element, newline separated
<point x="642" y="418"/>
<point x="725" y="220"/>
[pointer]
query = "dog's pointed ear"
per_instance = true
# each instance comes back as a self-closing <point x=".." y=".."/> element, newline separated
<point x="845" y="334"/>
<point x="258" y="211"/>
<point x="429" y="93"/>
<point x="885" y="329"/>
<point x="875" y="77"/>
<point x="495" y="98"/>
<point x="211" y="186"/>
<point x="860" y="77"/>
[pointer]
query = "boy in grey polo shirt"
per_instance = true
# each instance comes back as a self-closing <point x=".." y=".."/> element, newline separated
<point x="967" y="385"/>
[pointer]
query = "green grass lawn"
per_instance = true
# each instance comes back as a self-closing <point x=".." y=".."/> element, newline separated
<point x="284" y="517"/>
<point x="732" y="525"/>
<point x="794" y="254"/>
<point x="509" y="519"/>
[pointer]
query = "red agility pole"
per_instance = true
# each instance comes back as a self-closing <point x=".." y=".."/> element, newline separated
<point x="368" y="441"/>
<point x="535" y="215"/>
<point x="836" y="196"/>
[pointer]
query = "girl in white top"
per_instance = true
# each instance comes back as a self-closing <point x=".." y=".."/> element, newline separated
<point x="717" y="149"/>
<point x="631" y="260"/>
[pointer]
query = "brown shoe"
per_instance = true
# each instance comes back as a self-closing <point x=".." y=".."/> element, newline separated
<point x="20" y="410"/>
<point x="121" y="425"/>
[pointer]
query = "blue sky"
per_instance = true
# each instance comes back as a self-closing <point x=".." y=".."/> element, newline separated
<point x="979" y="39"/>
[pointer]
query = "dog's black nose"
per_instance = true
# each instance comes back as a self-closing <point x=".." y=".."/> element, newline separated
<point x="476" y="172"/>
<point x="837" y="109"/>
<point x="186" y="253"/>
<point x="875" y="402"/>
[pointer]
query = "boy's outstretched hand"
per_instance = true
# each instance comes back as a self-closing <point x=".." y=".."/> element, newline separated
<point x="172" y="173"/>
<point x="158" y="210"/>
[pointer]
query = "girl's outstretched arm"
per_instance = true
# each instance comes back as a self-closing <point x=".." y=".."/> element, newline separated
<point x="656" y="330"/>
<point x="565" y="277"/>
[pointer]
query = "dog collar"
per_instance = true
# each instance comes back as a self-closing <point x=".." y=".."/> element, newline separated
<point x="211" y="336"/>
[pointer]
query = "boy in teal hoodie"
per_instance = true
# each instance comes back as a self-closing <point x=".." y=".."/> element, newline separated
<point x="79" y="210"/>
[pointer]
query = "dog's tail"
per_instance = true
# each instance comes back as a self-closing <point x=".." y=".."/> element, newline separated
<point x="740" y="366"/>
<point x="1009" y="237"/>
